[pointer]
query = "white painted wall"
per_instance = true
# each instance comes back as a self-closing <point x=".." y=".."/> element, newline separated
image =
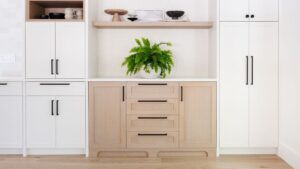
<point x="289" y="148"/>
<point x="12" y="38"/>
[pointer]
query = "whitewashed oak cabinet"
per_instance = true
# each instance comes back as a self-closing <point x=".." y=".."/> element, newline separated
<point x="249" y="10"/>
<point x="55" y="50"/>
<point x="152" y="119"/>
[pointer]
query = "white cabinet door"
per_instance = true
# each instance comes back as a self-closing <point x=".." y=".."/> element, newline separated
<point x="70" y="50"/>
<point x="263" y="116"/>
<point x="40" y="122"/>
<point x="70" y="122"/>
<point x="234" y="10"/>
<point x="234" y="90"/>
<point x="264" y="10"/>
<point x="40" y="49"/>
<point x="11" y="122"/>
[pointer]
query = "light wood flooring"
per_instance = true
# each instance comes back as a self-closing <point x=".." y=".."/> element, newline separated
<point x="79" y="162"/>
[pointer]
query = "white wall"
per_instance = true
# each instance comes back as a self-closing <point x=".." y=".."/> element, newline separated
<point x="12" y="38"/>
<point x="289" y="148"/>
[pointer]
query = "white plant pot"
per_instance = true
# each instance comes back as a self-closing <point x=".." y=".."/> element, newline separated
<point x="151" y="75"/>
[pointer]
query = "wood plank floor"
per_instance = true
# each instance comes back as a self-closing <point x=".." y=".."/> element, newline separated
<point x="77" y="162"/>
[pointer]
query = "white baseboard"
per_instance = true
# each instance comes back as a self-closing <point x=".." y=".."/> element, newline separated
<point x="289" y="155"/>
<point x="55" y="152"/>
<point x="247" y="151"/>
<point x="11" y="151"/>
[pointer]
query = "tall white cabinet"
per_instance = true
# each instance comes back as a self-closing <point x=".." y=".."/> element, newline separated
<point x="249" y="75"/>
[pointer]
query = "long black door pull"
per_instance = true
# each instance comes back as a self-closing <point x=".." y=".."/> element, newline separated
<point x="57" y="106"/>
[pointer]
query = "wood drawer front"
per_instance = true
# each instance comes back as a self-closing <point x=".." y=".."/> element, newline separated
<point x="148" y="90"/>
<point x="168" y="106"/>
<point x="152" y="123"/>
<point x="152" y="139"/>
<point x="11" y="88"/>
<point x="55" y="88"/>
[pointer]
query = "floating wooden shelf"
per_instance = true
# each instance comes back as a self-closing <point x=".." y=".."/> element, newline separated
<point x="158" y="25"/>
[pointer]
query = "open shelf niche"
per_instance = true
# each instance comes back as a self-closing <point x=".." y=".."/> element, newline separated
<point x="35" y="8"/>
<point x="194" y="43"/>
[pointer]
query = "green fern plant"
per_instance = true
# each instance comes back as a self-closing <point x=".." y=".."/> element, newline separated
<point x="147" y="56"/>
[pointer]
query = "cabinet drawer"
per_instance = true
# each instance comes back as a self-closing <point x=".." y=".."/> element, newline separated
<point x="11" y="88"/>
<point x="152" y="139"/>
<point x="167" y="106"/>
<point x="148" y="90"/>
<point x="55" y="88"/>
<point x="152" y="123"/>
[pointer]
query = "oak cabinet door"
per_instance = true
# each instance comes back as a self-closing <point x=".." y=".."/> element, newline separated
<point x="234" y="84"/>
<point x="263" y="91"/>
<point x="198" y="115"/>
<point x="70" y="122"/>
<point x="70" y="50"/>
<point x="107" y="115"/>
<point x="40" y="50"/>
<point x="40" y="122"/>
<point x="11" y="122"/>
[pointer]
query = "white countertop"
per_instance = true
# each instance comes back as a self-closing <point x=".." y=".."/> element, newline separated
<point x="152" y="80"/>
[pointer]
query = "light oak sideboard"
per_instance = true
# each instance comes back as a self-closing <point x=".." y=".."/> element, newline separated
<point x="152" y="119"/>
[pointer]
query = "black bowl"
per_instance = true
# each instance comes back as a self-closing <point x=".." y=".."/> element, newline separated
<point x="43" y="16"/>
<point x="57" y="15"/>
<point x="175" y="14"/>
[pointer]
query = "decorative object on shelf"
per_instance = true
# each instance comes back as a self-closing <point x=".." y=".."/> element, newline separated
<point x="117" y="13"/>
<point x="132" y="17"/>
<point x="151" y="61"/>
<point x="79" y="13"/>
<point x="175" y="15"/>
<point x="150" y="15"/>
<point x="69" y="13"/>
<point x="43" y="16"/>
<point x="57" y="15"/>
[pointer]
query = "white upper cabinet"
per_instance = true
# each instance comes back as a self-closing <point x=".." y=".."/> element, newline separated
<point x="70" y="48"/>
<point x="55" y="50"/>
<point x="249" y="10"/>
<point x="40" y="50"/>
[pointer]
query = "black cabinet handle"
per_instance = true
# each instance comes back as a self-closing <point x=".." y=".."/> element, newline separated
<point x="152" y="101"/>
<point x="252" y="70"/>
<point x="247" y="70"/>
<point x="252" y="16"/>
<point x="153" y="84"/>
<point x="56" y="66"/>
<point x="3" y="84"/>
<point x="164" y="134"/>
<point x="123" y="93"/>
<point x="181" y="93"/>
<point x="247" y="16"/>
<point x="57" y="106"/>
<point x="152" y="118"/>
<point x="55" y="84"/>
<point x="52" y="65"/>
<point x="52" y="107"/>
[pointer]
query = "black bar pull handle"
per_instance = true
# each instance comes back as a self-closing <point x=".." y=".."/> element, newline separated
<point x="252" y="70"/>
<point x="247" y="70"/>
<point x="55" y="84"/>
<point x="152" y="118"/>
<point x="163" y="134"/>
<point x="123" y="93"/>
<point x="56" y="66"/>
<point x="52" y="107"/>
<point x="52" y="65"/>
<point x="153" y="84"/>
<point x="57" y="106"/>
<point x="181" y="93"/>
<point x="3" y="84"/>
<point x="152" y="101"/>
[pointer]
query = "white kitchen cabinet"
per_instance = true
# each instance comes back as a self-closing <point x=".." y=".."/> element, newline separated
<point x="249" y="10"/>
<point x="249" y="84"/>
<point x="55" y="50"/>
<point x="11" y="121"/>
<point x="40" y="50"/>
<point x="70" y="48"/>
<point x="70" y="122"/>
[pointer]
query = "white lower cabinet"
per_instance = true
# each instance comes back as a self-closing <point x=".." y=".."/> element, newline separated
<point x="54" y="122"/>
